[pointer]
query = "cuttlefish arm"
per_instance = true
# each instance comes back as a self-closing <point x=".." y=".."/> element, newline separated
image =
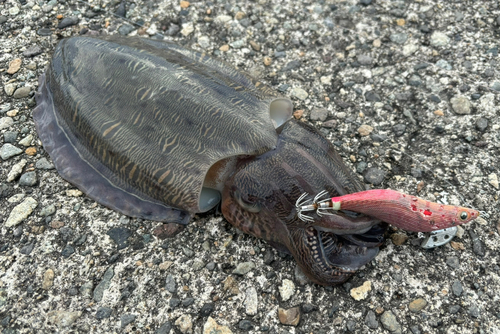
<point x="401" y="210"/>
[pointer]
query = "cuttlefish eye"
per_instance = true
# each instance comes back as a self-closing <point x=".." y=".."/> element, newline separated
<point x="463" y="215"/>
<point x="245" y="203"/>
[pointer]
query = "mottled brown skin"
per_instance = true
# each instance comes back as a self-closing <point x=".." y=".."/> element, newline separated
<point x="260" y="200"/>
<point x="137" y="124"/>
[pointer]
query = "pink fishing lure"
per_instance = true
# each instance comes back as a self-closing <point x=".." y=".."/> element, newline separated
<point x="404" y="211"/>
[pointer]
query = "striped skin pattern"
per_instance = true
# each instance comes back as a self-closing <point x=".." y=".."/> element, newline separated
<point x="148" y="118"/>
<point x="136" y="124"/>
<point x="260" y="200"/>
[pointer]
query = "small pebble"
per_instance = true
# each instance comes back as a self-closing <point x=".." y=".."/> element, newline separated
<point x="390" y="322"/>
<point x="371" y="320"/>
<point x="28" y="179"/>
<point x="126" y="319"/>
<point x="453" y="262"/>
<point x="48" y="279"/>
<point x="374" y="176"/>
<point x="417" y="305"/>
<point x="21" y="211"/>
<point x="243" y="268"/>
<point x="14" y="66"/>
<point x="5" y="123"/>
<point x="362" y="291"/>
<point x="287" y="289"/>
<point x="184" y="323"/>
<point x="456" y="288"/>
<point x="8" y="151"/>
<point x="290" y="317"/>
<point x="461" y="105"/>
<point x="103" y="313"/>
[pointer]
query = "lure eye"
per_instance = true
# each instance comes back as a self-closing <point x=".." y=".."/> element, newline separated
<point x="463" y="215"/>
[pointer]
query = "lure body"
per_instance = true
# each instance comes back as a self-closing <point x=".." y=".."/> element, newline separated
<point x="401" y="210"/>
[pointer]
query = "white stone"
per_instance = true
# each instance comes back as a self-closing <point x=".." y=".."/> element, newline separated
<point x="26" y="141"/>
<point x="493" y="180"/>
<point x="10" y="88"/>
<point x="16" y="170"/>
<point x="439" y="39"/>
<point x="21" y="211"/>
<point x="326" y="80"/>
<point x="187" y="29"/>
<point x="6" y="122"/>
<point x="221" y="19"/>
<point x="299" y="93"/>
<point x="410" y="49"/>
<point x="204" y="42"/>
<point x="287" y="289"/>
<point x="251" y="301"/>
<point x="16" y="198"/>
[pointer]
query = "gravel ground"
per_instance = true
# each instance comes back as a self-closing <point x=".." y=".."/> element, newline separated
<point x="406" y="90"/>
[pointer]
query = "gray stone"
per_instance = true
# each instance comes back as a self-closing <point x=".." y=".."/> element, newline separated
<point x="68" y="251"/>
<point x="319" y="114"/>
<point x="120" y="236"/>
<point x="86" y="289"/>
<point x="453" y="262"/>
<point x="170" y="284"/>
<point x="63" y="318"/>
<point x="474" y="311"/>
<point x="415" y="81"/>
<point x="126" y="319"/>
<point x="390" y="322"/>
<point x="444" y="64"/>
<point x="21" y="211"/>
<point x="477" y="245"/>
<point x="204" y="42"/>
<point x="10" y="136"/>
<point x="103" y="313"/>
<point x="374" y="176"/>
<point x="371" y="320"/>
<point x="365" y="60"/>
<point x="457" y="289"/>
<point x="399" y="129"/>
<point x="361" y="166"/>
<point x="245" y="325"/>
<point x="67" y="22"/>
<point x="399" y="38"/>
<point x="496" y="86"/>
<point x="22" y="92"/>
<point x="28" y="179"/>
<point x="32" y="51"/>
<point x="125" y="29"/>
<point x="104" y="284"/>
<point x="207" y="309"/>
<point x="44" y="164"/>
<point x="165" y="328"/>
<point x="294" y="64"/>
<point x="26" y="141"/>
<point x="439" y="39"/>
<point x="238" y="44"/>
<point x="351" y="325"/>
<point x="371" y="96"/>
<point x="243" y="268"/>
<point x="453" y="309"/>
<point x="299" y="93"/>
<point x="461" y="105"/>
<point x="6" y="122"/>
<point x="48" y="210"/>
<point x="10" y="88"/>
